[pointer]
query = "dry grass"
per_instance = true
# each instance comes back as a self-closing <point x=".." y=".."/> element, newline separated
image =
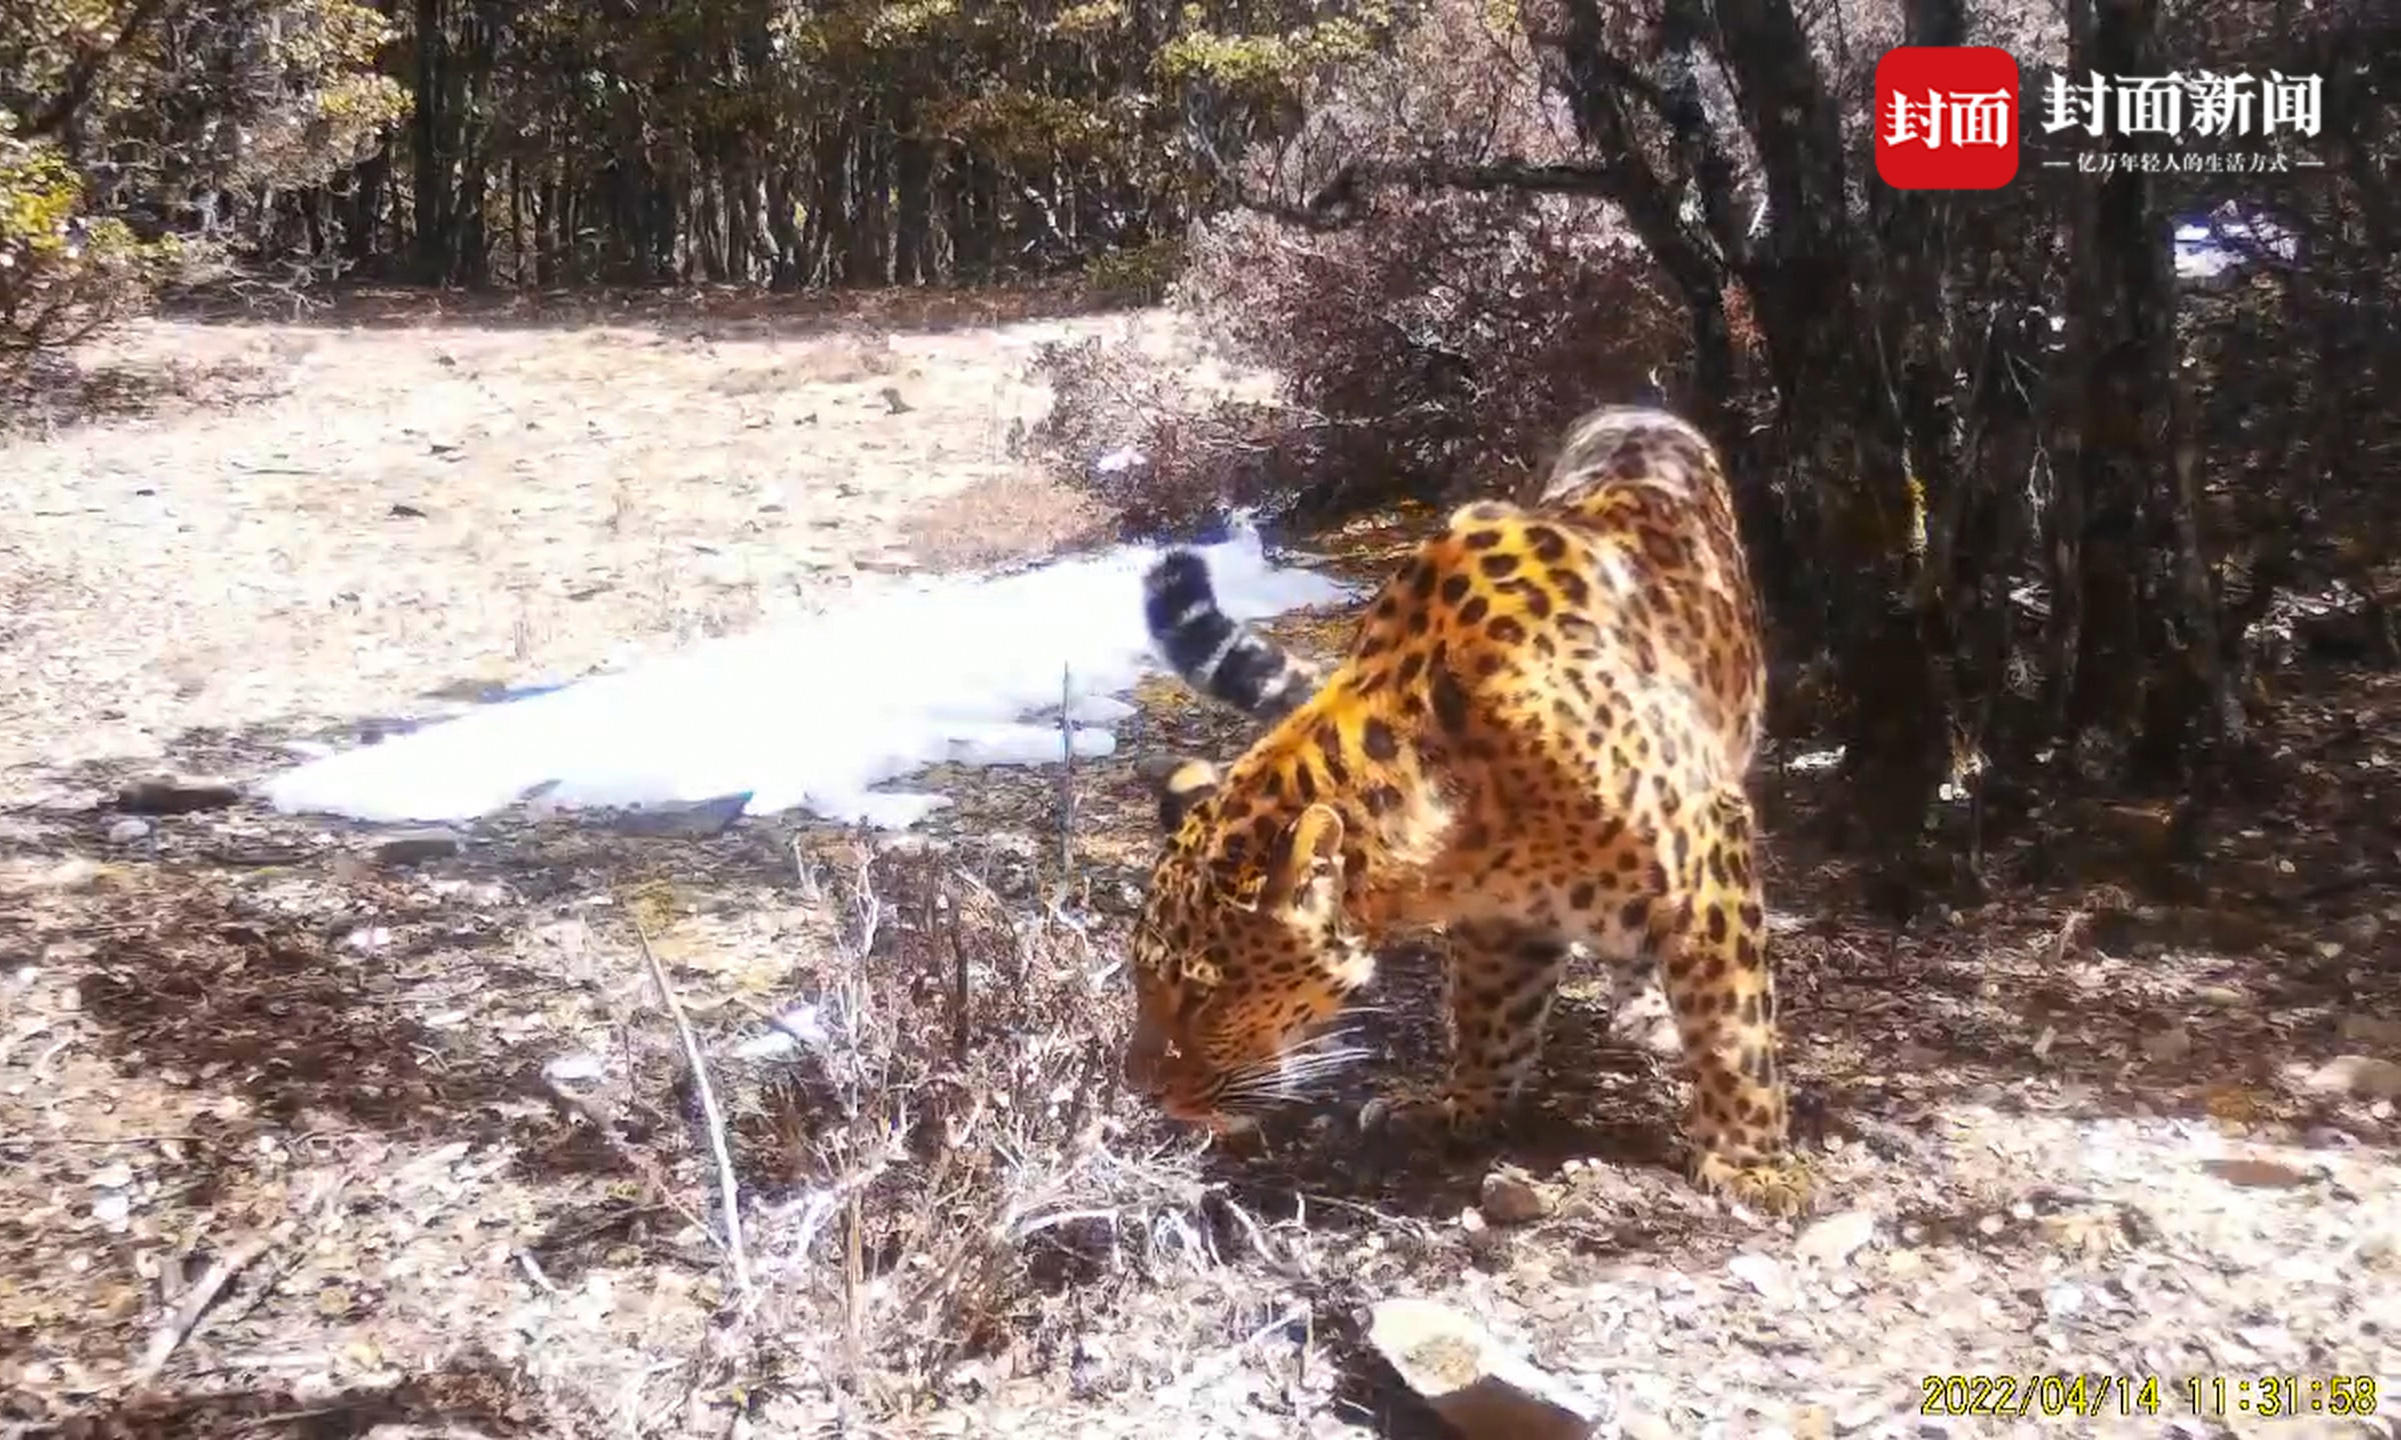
<point x="1003" y="519"/>
<point x="957" y="1140"/>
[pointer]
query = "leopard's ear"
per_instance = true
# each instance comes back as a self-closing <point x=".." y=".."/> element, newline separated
<point x="1181" y="783"/>
<point x="1304" y="872"/>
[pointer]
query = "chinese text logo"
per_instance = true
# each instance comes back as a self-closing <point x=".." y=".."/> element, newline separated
<point x="1947" y="117"/>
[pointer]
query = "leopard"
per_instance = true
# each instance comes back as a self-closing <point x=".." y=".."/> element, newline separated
<point x="1539" y="742"/>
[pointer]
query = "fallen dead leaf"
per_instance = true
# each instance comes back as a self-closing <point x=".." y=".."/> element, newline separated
<point x="2256" y="1174"/>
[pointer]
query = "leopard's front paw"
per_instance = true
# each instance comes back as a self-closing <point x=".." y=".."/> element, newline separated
<point x="1780" y="1185"/>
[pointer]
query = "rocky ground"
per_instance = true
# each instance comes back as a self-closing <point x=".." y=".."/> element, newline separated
<point x="325" y="1128"/>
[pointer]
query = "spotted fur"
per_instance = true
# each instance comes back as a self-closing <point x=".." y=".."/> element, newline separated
<point x="1539" y="740"/>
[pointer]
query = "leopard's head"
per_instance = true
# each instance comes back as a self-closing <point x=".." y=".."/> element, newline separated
<point x="1242" y="952"/>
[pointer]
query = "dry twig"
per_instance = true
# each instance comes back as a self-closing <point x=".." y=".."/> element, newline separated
<point x="726" y="1185"/>
<point x="1066" y="777"/>
<point x="212" y="1282"/>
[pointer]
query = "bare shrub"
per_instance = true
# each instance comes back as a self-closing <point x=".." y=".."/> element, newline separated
<point x="943" y="1148"/>
<point x="1137" y="275"/>
<point x="1434" y="348"/>
<point x="1128" y="429"/>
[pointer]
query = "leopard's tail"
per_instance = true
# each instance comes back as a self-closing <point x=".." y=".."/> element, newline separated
<point x="1214" y="653"/>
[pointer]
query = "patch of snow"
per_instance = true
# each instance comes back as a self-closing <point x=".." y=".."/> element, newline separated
<point x="813" y="713"/>
<point x="802" y="1022"/>
<point x="2232" y="237"/>
<point x="581" y="1066"/>
<point x="1124" y="457"/>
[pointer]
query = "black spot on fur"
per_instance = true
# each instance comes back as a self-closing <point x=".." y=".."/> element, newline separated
<point x="1450" y="702"/>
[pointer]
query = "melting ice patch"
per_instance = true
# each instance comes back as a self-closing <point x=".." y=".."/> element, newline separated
<point x="813" y="713"/>
<point x="2211" y="248"/>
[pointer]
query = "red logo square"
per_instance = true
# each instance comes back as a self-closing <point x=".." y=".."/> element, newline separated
<point x="1947" y="117"/>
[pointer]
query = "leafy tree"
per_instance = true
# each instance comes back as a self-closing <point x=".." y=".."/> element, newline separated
<point x="124" y="129"/>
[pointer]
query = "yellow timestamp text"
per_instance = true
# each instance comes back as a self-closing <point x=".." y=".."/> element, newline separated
<point x="2218" y="1396"/>
<point x="2091" y="1396"/>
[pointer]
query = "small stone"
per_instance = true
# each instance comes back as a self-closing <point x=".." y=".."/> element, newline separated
<point x="1760" y="1272"/>
<point x="1643" y="1425"/>
<point x="698" y="817"/>
<point x="128" y="830"/>
<point x="1509" y="1198"/>
<point x="575" y="1068"/>
<point x="176" y="795"/>
<point x="1861" y="1412"/>
<point x="1482" y="1388"/>
<point x="2372" y="1030"/>
<point x="2362" y="1075"/>
<point x="2255" y="1174"/>
<point x="2378" y="1248"/>
<point x="1832" y="1240"/>
<point x="411" y="847"/>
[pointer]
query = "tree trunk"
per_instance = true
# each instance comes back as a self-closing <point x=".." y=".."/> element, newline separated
<point x="782" y="191"/>
<point x="913" y="241"/>
<point x="435" y="244"/>
<point x="871" y="216"/>
<point x="362" y="227"/>
<point x="830" y="212"/>
<point x="2145" y="641"/>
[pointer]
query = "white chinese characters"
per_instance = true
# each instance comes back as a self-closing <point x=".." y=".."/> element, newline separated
<point x="1937" y="118"/>
<point x="2204" y="103"/>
